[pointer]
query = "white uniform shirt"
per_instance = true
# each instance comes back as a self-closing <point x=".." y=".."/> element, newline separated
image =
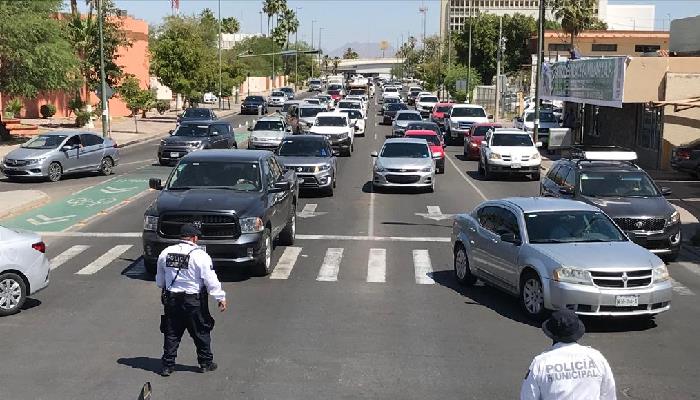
<point x="199" y="272"/>
<point x="569" y="371"/>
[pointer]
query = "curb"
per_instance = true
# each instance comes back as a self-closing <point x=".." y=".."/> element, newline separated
<point x="37" y="202"/>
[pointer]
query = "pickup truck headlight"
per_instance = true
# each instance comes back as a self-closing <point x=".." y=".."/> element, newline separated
<point x="195" y="144"/>
<point x="572" y="275"/>
<point x="252" y="225"/>
<point x="674" y="219"/>
<point x="324" y="167"/>
<point x="535" y="156"/>
<point x="661" y="274"/>
<point x="494" y="156"/>
<point x="343" y="135"/>
<point x="454" y="124"/>
<point x="150" y="223"/>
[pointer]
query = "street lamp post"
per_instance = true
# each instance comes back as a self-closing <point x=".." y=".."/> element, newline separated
<point x="469" y="57"/>
<point x="320" y="31"/>
<point x="220" y="54"/>
<point x="296" y="55"/>
<point x="540" y="59"/>
<point x="312" y="45"/>
<point x="103" y="77"/>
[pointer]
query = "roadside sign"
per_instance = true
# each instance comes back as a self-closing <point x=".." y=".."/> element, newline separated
<point x="110" y="92"/>
<point x="461" y="84"/>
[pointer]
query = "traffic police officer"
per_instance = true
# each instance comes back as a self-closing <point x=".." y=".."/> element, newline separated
<point x="185" y="275"/>
<point x="568" y="370"/>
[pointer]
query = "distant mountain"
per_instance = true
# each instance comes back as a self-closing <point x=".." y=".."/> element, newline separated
<point x="364" y="49"/>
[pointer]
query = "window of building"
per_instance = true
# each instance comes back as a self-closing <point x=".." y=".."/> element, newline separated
<point x="603" y="47"/>
<point x="559" y="47"/>
<point x="646" y="48"/>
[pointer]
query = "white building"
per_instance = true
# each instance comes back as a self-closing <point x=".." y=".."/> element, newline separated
<point x="228" y="40"/>
<point x="628" y="17"/>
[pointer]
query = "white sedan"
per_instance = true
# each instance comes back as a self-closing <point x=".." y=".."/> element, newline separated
<point x="24" y="268"/>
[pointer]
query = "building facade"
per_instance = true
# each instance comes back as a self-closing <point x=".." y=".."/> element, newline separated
<point x="602" y="43"/>
<point x="685" y="36"/>
<point x="228" y="40"/>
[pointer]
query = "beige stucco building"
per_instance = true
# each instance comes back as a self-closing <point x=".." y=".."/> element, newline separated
<point x="603" y="43"/>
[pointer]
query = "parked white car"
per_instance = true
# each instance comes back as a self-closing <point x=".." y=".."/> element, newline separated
<point x="338" y="129"/>
<point x="460" y="119"/>
<point x="24" y="268"/>
<point x="509" y="151"/>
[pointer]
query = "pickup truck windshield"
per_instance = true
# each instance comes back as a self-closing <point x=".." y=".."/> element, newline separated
<point x="571" y="227"/>
<point x="353" y="114"/>
<point x="192" y="130"/>
<point x="254" y="99"/>
<point x="392" y="100"/>
<point x="442" y="109"/>
<point x="269" y="126"/>
<point x="544" y="117"/>
<point x="357" y="92"/>
<point x="307" y="112"/>
<point x="408" y="116"/>
<point x="428" y="99"/>
<point x="481" y="130"/>
<point x="511" y="140"/>
<point x="396" y="106"/>
<point x="304" y="148"/>
<point x="278" y="94"/>
<point x="331" y="121"/>
<point x="405" y="150"/>
<point x="349" y="104"/>
<point x="196" y="113"/>
<point x="239" y="176"/>
<point x="467" y="112"/>
<point x="44" y="142"/>
<point x="617" y="184"/>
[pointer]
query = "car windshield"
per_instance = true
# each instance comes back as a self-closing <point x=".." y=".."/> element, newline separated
<point x="239" y="176"/>
<point x="405" y="150"/>
<point x="304" y="148"/>
<point x="617" y="184"/>
<point x="409" y="116"/>
<point x="278" y="94"/>
<point x="442" y="109"/>
<point x="313" y="101"/>
<point x="335" y="87"/>
<point x="254" y="99"/>
<point x="307" y="112"/>
<point x="468" y="112"/>
<point x="192" y="130"/>
<point x="44" y="142"/>
<point x="392" y="100"/>
<point x="330" y="121"/>
<point x="334" y="92"/>
<point x="287" y="106"/>
<point x="391" y="90"/>
<point x="423" y="126"/>
<point x="571" y="227"/>
<point x="196" y="113"/>
<point x="481" y="130"/>
<point x="431" y="139"/>
<point x="354" y="114"/>
<point x="511" y="140"/>
<point x="396" y="107"/>
<point x="349" y="104"/>
<point x="428" y="99"/>
<point x="269" y="126"/>
<point x="544" y="117"/>
<point x="314" y="82"/>
<point x="357" y="92"/>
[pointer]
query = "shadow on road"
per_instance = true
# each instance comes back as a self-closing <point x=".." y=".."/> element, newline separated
<point x="369" y="188"/>
<point x="611" y="325"/>
<point x="136" y="270"/>
<point x="414" y="224"/>
<point x="30" y="303"/>
<point x="154" y="365"/>
<point x="498" y="178"/>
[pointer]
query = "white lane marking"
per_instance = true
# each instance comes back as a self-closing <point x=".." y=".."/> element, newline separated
<point x="121" y="164"/>
<point x="376" y="266"/>
<point x="286" y="263"/>
<point x="469" y="181"/>
<point x="423" y="267"/>
<point x="104" y="260"/>
<point x="691" y="267"/>
<point x="681" y="289"/>
<point x="435" y="214"/>
<point x="331" y="265"/>
<point x="67" y="255"/>
<point x="359" y="238"/>
<point x="92" y="234"/>
<point x="686" y="216"/>
<point x="672" y="181"/>
<point x="309" y="211"/>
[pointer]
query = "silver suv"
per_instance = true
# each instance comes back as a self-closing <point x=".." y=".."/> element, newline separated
<point x="559" y="254"/>
<point x="267" y="133"/>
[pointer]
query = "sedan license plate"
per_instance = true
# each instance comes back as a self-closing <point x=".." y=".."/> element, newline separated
<point x="627" y="301"/>
<point x="515" y="166"/>
<point x="174" y="155"/>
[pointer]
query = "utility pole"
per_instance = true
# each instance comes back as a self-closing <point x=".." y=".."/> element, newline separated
<point x="498" y="70"/>
<point x="296" y="55"/>
<point x="272" y="39"/>
<point x="103" y="78"/>
<point x="423" y="10"/>
<point x="320" y="31"/>
<point x="540" y="59"/>
<point x="469" y="57"/>
<point x="261" y="25"/>
<point x="220" y="55"/>
<point x="449" y="42"/>
<point x="312" y="45"/>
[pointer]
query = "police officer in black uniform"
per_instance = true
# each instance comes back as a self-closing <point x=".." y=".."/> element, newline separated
<point x="185" y="275"/>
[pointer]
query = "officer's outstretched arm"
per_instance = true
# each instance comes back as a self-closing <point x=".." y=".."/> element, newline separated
<point x="160" y="272"/>
<point x="607" y="386"/>
<point x="211" y="281"/>
<point x="530" y="390"/>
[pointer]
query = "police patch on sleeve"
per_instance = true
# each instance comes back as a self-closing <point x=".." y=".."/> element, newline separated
<point x="176" y="260"/>
<point x="527" y="374"/>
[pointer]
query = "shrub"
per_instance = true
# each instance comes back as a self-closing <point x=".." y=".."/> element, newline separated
<point x="13" y="107"/>
<point x="47" y="110"/>
<point x="75" y="104"/>
<point x="82" y="118"/>
<point x="163" y="106"/>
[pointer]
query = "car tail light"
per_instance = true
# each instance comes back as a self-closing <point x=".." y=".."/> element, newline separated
<point x="40" y="247"/>
<point x="683" y="153"/>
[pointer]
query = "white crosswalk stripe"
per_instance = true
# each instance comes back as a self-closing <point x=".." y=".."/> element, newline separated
<point x="423" y="267"/>
<point x="104" y="260"/>
<point x="681" y="289"/>
<point x="286" y="263"/>
<point x="331" y="265"/>
<point x="376" y="266"/>
<point x="67" y="255"/>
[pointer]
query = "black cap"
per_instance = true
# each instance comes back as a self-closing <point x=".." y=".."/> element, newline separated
<point x="189" y="230"/>
<point x="564" y="326"/>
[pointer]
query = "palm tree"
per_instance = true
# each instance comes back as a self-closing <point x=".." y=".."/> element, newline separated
<point x="290" y="23"/>
<point x="325" y="62"/>
<point x="336" y="61"/>
<point x="575" y="15"/>
<point x="271" y="8"/>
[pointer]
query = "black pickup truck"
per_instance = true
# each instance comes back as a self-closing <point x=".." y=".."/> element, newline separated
<point x="241" y="200"/>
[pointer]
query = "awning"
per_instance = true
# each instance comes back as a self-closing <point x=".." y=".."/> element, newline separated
<point x="679" y="105"/>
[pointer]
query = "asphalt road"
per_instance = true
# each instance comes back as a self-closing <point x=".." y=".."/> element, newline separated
<point x="406" y="335"/>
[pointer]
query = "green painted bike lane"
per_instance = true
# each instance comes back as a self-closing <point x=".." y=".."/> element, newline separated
<point x="63" y="213"/>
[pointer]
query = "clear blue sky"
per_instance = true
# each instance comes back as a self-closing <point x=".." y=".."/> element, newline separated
<point x="355" y="20"/>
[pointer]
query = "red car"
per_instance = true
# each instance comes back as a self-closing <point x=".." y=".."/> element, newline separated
<point x="435" y="146"/>
<point x="438" y="113"/>
<point x="336" y="95"/>
<point x="474" y="137"/>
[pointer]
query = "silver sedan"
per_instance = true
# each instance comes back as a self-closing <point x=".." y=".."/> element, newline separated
<point x="52" y="155"/>
<point x="404" y="163"/>
<point x="558" y="254"/>
<point x="24" y="268"/>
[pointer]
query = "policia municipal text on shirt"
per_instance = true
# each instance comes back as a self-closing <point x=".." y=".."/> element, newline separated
<point x="186" y="275"/>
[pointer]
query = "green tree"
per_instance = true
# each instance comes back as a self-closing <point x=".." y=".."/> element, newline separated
<point x="271" y="8"/>
<point x="230" y="25"/>
<point x="458" y="73"/>
<point x="575" y="15"/>
<point x="34" y="54"/>
<point x="350" y="54"/>
<point x="290" y="22"/>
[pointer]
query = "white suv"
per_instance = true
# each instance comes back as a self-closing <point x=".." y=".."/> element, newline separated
<point x="460" y="119"/>
<point x="509" y="151"/>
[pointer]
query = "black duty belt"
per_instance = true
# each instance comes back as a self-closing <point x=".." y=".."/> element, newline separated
<point x="178" y="295"/>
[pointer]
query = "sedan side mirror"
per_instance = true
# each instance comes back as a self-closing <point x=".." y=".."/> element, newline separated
<point x="566" y="190"/>
<point x="281" y="186"/>
<point x="374" y="154"/>
<point x="666" y="191"/>
<point x="170" y="132"/>
<point x="155" y="184"/>
<point x="538" y="144"/>
<point x="66" y="148"/>
<point x="510" y="237"/>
